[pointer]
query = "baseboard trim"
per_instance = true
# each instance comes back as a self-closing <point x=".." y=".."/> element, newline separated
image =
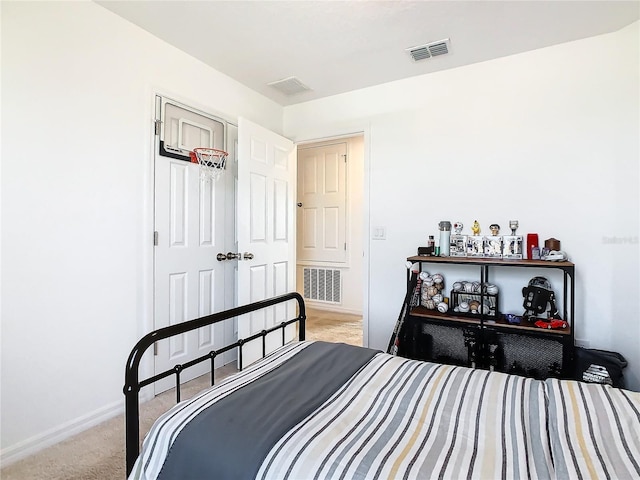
<point x="330" y="308"/>
<point x="58" y="434"/>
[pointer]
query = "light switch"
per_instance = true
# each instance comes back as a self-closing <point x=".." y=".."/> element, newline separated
<point x="379" y="233"/>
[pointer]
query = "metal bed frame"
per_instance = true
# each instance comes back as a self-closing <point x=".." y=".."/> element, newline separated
<point x="133" y="385"/>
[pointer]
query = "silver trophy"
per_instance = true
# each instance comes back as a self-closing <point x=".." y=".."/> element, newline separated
<point x="513" y="225"/>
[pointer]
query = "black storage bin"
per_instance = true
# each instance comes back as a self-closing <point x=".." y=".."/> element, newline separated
<point x="599" y="366"/>
<point x="531" y="355"/>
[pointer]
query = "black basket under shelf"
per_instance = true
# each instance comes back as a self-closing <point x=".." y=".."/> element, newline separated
<point x="491" y="300"/>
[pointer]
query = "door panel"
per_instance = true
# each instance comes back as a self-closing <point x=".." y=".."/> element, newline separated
<point x="322" y="190"/>
<point x="266" y="186"/>
<point x="189" y="218"/>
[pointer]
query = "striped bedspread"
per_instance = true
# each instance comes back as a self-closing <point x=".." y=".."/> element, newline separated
<point x="400" y="419"/>
<point x="594" y="430"/>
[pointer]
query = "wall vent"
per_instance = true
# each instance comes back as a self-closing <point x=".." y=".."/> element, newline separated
<point x="322" y="284"/>
<point x="433" y="49"/>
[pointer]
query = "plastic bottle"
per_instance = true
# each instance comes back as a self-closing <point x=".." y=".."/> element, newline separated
<point x="445" y="236"/>
<point x="431" y="244"/>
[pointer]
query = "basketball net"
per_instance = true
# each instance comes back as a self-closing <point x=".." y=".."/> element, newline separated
<point x="212" y="162"/>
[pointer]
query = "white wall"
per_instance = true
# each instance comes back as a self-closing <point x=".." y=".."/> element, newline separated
<point x="351" y="271"/>
<point x="77" y="92"/>
<point x="549" y="137"/>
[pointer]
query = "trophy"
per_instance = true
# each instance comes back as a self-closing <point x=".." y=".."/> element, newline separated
<point x="512" y="244"/>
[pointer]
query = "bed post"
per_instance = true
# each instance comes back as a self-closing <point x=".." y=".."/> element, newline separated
<point x="132" y="433"/>
<point x="131" y="394"/>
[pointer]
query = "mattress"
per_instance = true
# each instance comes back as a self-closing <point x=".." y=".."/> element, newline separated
<point x="324" y="410"/>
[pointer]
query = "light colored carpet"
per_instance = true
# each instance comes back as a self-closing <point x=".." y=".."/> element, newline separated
<point x="98" y="453"/>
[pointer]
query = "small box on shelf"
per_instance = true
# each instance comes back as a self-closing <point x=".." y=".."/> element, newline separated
<point x="458" y="245"/>
<point x="493" y="246"/>
<point x="475" y="246"/>
<point x="512" y="247"/>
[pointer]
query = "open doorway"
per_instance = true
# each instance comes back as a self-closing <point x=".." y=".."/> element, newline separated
<point x="329" y="253"/>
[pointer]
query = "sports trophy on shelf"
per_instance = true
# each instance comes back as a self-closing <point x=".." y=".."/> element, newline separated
<point x="512" y="244"/>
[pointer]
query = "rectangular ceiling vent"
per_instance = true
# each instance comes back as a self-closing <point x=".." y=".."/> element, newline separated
<point x="289" y="86"/>
<point x="433" y="49"/>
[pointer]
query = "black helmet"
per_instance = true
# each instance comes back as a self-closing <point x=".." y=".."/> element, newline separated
<point x="540" y="282"/>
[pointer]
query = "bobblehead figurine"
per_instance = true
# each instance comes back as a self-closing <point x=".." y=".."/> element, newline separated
<point x="475" y="228"/>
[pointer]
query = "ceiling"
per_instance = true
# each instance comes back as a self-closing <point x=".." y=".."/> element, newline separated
<point x="339" y="46"/>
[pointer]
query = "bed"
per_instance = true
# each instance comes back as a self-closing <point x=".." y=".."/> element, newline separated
<point x="328" y="410"/>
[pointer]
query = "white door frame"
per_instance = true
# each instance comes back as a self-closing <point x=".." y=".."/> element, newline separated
<point x="340" y="134"/>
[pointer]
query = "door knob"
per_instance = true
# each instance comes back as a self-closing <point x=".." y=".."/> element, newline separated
<point x="221" y="257"/>
<point x="248" y="256"/>
<point x="299" y="204"/>
<point x="231" y="256"/>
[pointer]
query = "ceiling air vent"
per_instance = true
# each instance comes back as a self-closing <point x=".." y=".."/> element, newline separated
<point x="433" y="49"/>
<point x="289" y="86"/>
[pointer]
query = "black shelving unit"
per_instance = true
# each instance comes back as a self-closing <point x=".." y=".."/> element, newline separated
<point x="494" y="343"/>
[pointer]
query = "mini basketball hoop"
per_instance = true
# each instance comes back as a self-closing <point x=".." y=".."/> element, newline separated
<point x="212" y="161"/>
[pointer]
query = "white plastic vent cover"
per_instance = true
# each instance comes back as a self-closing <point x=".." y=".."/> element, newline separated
<point x="322" y="284"/>
<point x="433" y="49"/>
<point x="289" y="86"/>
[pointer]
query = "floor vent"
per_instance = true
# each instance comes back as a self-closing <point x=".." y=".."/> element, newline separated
<point x="322" y="284"/>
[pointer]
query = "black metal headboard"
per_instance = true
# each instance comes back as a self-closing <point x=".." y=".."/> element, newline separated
<point x="132" y="384"/>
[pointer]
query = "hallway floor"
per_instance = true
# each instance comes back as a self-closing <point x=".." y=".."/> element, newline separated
<point x="333" y="327"/>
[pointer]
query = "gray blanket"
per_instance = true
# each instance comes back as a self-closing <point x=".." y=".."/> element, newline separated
<point x="230" y="439"/>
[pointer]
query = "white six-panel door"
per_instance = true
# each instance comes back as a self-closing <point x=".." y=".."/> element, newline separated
<point x="189" y="221"/>
<point x="322" y="196"/>
<point x="266" y="230"/>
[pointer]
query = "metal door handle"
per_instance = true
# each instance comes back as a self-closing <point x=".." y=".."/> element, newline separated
<point x="221" y="257"/>
<point x="232" y="256"/>
<point x="248" y="256"/>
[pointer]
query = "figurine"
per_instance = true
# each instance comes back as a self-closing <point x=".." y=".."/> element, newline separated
<point x="457" y="227"/>
<point x="539" y="299"/>
<point x="495" y="229"/>
<point x="513" y="225"/>
<point x="475" y="228"/>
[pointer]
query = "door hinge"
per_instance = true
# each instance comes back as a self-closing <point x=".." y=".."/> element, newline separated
<point x="345" y="245"/>
<point x="158" y="124"/>
<point x="155" y="349"/>
<point x="155" y="239"/>
<point x="345" y="157"/>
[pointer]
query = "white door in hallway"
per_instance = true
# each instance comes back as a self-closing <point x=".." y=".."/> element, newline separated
<point x="266" y="231"/>
<point x="190" y="224"/>
<point x="321" y="212"/>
